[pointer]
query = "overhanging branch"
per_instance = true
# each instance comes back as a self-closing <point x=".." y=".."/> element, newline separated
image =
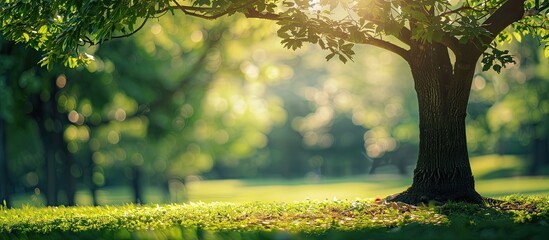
<point x="252" y="13"/>
<point x="202" y="12"/>
<point x="510" y="12"/>
<point x="387" y="46"/>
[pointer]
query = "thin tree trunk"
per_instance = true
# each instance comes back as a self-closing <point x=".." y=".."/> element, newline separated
<point x="62" y="150"/>
<point x="443" y="172"/>
<point x="68" y="179"/>
<point x="88" y="171"/>
<point x="540" y="154"/>
<point x="4" y="173"/>
<point x="49" y="147"/>
<point x="137" y="185"/>
<point x="51" y="176"/>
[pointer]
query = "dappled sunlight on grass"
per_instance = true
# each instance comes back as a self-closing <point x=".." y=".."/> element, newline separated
<point x="506" y="186"/>
<point x="497" y="166"/>
<point x="238" y="191"/>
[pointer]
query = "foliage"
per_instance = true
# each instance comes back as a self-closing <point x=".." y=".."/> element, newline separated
<point x="114" y="116"/>
<point x="520" y="216"/>
<point x="61" y="27"/>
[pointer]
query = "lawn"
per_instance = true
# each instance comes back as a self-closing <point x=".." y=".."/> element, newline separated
<point x="516" y="217"/>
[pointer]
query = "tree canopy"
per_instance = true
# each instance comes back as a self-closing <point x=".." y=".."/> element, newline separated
<point x="61" y="28"/>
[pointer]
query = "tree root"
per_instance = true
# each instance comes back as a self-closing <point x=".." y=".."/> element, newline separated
<point x="415" y="197"/>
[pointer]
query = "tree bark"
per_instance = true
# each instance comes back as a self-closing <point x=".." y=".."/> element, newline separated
<point x="443" y="172"/>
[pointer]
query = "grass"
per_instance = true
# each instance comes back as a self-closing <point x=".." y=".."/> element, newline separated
<point x="325" y="209"/>
<point x="518" y="218"/>
<point x="498" y="166"/>
<point x="238" y="191"/>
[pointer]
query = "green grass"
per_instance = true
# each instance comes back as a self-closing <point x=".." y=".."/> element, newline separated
<point x="497" y="166"/>
<point x="295" y="209"/>
<point x="519" y="218"/>
<point x="238" y="191"/>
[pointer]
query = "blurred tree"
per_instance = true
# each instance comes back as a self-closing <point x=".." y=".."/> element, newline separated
<point x="521" y="117"/>
<point x="4" y="182"/>
<point x="6" y="101"/>
<point x="156" y="120"/>
<point x="423" y="33"/>
<point x="29" y="109"/>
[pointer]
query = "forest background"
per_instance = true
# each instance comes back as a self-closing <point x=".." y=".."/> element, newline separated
<point x="157" y="116"/>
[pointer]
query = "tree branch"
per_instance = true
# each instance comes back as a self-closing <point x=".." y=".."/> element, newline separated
<point x="252" y="13"/>
<point x="452" y="43"/>
<point x="131" y="33"/>
<point x="405" y="35"/>
<point x="510" y="12"/>
<point x="202" y="12"/>
<point x="387" y="46"/>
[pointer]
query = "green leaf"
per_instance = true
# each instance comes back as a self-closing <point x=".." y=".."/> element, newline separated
<point x="26" y="36"/>
<point x="440" y="7"/>
<point x="330" y="56"/>
<point x="486" y="66"/>
<point x="43" y="29"/>
<point x="497" y="68"/>
<point x="342" y="58"/>
<point x="321" y="43"/>
<point x="517" y="36"/>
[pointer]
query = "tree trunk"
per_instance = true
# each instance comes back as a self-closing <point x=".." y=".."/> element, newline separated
<point x="540" y="154"/>
<point x="443" y="172"/>
<point x="51" y="173"/>
<point x="68" y="179"/>
<point x="88" y="173"/>
<point x="4" y="173"/>
<point x="63" y="152"/>
<point x="137" y="185"/>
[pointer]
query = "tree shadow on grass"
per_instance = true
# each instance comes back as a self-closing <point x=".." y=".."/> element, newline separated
<point x="459" y="229"/>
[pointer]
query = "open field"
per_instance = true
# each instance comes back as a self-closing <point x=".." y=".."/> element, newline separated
<point x="494" y="174"/>
<point x="286" y="191"/>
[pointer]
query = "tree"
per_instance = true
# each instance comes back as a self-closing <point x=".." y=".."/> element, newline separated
<point x="522" y="124"/>
<point x="29" y="109"/>
<point x="441" y="41"/>
<point x="159" y="113"/>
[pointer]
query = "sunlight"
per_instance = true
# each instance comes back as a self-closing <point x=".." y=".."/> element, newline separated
<point x="479" y="83"/>
<point x="197" y="36"/>
<point x="156" y="29"/>
<point x="61" y="81"/>
<point x="314" y="5"/>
